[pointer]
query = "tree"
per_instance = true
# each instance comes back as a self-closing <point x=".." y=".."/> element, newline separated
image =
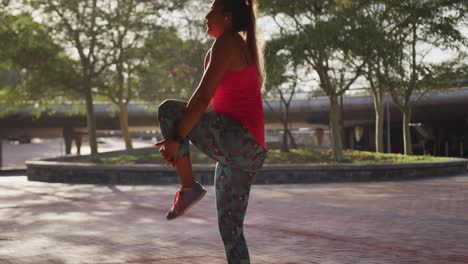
<point x="137" y="38"/>
<point x="130" y="23"/>
<point x="172" y="67"/>
<point x="383" y="49"/>
<point x="451" y="73"/>
<point x="190" y="23"/>
<point x="277" y="59"/>
<point x="433" y="23"/>
<point x="174" y="53"/>
<point x="79" y="25"/>
<point x="34" y="70"/>
<point x="328" y="39"/>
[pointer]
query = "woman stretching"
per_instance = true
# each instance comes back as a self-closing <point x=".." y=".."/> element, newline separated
<point x="232" y="133"/>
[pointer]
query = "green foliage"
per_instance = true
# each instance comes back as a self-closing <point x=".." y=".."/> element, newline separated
<point x="25" y="44"/>
<point x="301" y="156"/>
<point x="37" y="73"/>
<point x="196" y="156"/>
<point x="278" y="58"/>
<point x="295" y="156"/>
<point x="128" y="22"/>
<point x="329" y="37"/>
<point x="34" y="71"/>
<point x="338" y="38"/>
<point x="362" y="157"/>
<point x="414" y="23"/>
<point x="449" y="74"/>
<point x="173" y="66"/>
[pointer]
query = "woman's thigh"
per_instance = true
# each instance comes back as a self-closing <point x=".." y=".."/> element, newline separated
<point x="227" y="141"/>
<point x="219" y="137"/>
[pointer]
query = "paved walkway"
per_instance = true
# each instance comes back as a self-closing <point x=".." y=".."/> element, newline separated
<point x="393" y="222"/>
<point x="14" y="154"/>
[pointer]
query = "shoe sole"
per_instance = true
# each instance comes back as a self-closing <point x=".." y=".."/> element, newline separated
<point x="190" y="206"/>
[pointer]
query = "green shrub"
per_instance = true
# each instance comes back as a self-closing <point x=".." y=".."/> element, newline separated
<point x="295" y="156"/>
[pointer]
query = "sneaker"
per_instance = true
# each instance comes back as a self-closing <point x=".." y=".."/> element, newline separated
<point x="185" y="199"/>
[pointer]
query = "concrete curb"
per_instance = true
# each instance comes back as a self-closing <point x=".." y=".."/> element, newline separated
<point x="64" y="171"/>
<point x="12" y="171"/>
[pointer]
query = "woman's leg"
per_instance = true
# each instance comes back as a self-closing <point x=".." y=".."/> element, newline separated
<point x="169" y="114"/>
<point x="239" y="157"/>
<point x="183" y="167"/>
<point x="232" y="196"/>
<point x="218" y="136"/>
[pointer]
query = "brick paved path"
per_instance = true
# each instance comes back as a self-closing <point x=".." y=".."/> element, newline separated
<point x="393" y="222"/>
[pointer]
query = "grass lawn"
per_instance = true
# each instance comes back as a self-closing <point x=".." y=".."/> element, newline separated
<point x="295" y="156"/>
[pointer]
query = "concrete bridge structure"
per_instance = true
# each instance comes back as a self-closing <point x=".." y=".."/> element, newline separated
<point x="439" y="121"/>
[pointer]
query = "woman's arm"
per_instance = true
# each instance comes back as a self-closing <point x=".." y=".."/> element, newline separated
<point x="207" y="62"/>
<point x="207" y="59"/>
<point x="217" y="61"/>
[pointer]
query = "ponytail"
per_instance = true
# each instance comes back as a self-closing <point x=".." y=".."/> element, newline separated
<point x="252" y="42"/>
<point x="244" y="21"/>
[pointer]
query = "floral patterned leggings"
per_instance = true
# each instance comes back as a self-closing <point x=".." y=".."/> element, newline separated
<point x="238" y="157"/>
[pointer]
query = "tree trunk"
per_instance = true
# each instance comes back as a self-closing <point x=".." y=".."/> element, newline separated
<point x="379" y="122"/>
<point x="407" y="132"/>
<point x="123" y="114"/>
<point x="335" y="128"/>
<point x="291" y="139"/>
<point x="284" y="142"/>
<point x="292" y="142"/>
<point x="91" y="121"/>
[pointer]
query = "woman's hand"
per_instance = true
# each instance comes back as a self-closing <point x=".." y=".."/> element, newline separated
<point x="169" y="149"/>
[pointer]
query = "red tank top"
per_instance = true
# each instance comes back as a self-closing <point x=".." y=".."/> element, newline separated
<point x="239" y="97"/>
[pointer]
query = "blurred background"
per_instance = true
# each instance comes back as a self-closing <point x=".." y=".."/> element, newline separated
<point x="83" y="77"/>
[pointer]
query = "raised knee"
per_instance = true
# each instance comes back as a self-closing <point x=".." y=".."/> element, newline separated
<point x="166" y="104"/>
<point x="169" y="105"/>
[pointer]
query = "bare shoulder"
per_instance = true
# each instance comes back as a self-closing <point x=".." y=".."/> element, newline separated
<point x="232" y="48"/>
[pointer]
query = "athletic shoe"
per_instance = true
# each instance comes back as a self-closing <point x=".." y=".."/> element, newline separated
<point x="185" y="199"/>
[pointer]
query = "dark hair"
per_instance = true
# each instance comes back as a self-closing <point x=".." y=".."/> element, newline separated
<point x="240" y="10"/>
<point x="244" y="13"/>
